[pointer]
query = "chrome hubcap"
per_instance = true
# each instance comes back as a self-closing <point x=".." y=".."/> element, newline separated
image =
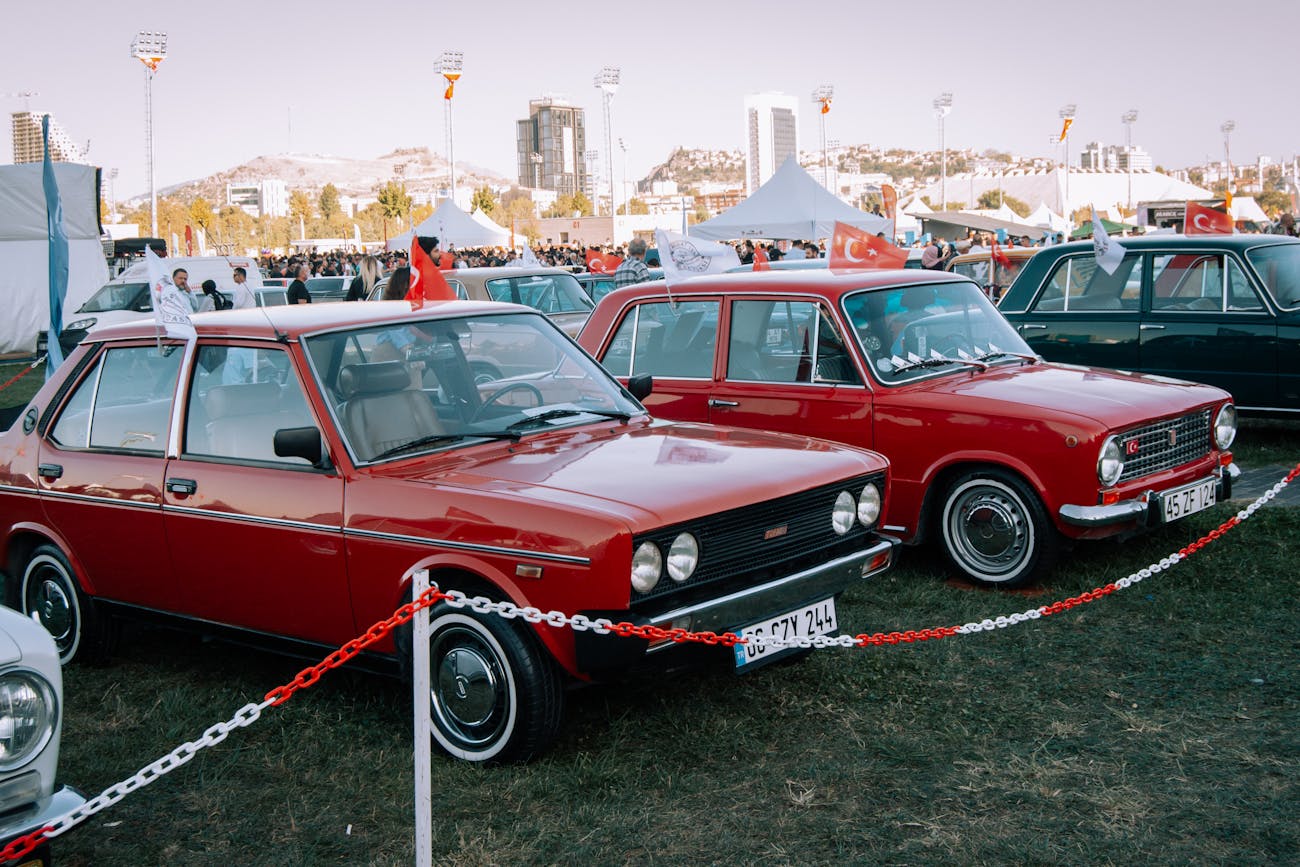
<point x="469" y="696"/>
<point x="52" y="608"/>
<point x="990" y="530"/>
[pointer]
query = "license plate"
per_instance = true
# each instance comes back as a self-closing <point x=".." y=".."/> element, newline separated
<point x="815" y="619"/>
<point x="1188" y="500"/>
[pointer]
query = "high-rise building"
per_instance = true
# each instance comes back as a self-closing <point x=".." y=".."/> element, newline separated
<point x="1114" y="158"/>
<point x="552" y="144"/>
<point x="28" y="147"/>
<point x="771" y="135"/>
<point x="267" y="198"/>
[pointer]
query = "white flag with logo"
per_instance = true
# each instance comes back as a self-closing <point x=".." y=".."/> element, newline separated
<point x="1109" y="253"/>
<point x="683" y="257"/>
<point x="171" y="309"/>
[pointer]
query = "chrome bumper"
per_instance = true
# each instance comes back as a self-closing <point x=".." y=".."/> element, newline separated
<point x="1138" y="508"/>
<point x="62" y="802"/>
<point x="606" y="653"/>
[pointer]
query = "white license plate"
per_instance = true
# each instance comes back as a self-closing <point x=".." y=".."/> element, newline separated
<point x="815" y="619"/>
<point x="1188" y="500"/>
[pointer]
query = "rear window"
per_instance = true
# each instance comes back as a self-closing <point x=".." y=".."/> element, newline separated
<point x="549" y="293"/>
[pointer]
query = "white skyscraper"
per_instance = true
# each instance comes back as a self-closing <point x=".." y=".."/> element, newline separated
<point x="771" y="135"/>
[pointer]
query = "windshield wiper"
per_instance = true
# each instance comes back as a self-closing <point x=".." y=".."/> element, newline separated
<point x="431" y="439"/>
<point x="565" y="412"/>
<point x="938" y="361"/>
<point x="998" y="353"/>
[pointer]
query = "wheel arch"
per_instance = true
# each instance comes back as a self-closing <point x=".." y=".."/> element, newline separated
<point x="936" y="487"/>
<point x="22" y="541"/>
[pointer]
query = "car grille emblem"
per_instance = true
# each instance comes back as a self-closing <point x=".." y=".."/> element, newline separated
<point x="1131" y="447"/>
<point x="776" y="532"/>
<point x="1173" y="437"/>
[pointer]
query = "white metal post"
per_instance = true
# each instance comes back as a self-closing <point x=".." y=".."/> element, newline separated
<point x="420" y="683"/>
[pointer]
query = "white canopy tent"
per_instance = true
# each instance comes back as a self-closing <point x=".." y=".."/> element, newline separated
<point x="1246" y="208"/>
<point x="453" y="228"/>
<point x="502" y="233"/>
<point x="1046" y="218"/>
<point x="24" y="248"/>
<point x="790" y="205"/>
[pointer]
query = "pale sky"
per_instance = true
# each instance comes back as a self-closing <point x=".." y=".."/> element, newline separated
<point x="359" y="78"/>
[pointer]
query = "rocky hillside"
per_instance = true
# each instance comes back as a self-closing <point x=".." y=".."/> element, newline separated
<point x="688" y="167"/>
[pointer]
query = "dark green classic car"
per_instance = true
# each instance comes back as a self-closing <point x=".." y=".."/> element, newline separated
<point x="1219" y="309"/>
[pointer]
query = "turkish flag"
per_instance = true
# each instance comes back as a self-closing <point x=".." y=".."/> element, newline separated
<point x="602" y="263"/>
<point x="761" y="262"/>
<point x="854" y="248"/>
<point x="427" y="282"/>
<point x="446" y="261"/>
<point x="1000" y="257"/>
<point x="1200" y="220"/>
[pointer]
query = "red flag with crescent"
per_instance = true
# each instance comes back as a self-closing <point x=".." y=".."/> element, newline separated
<point x="1200" y="220"/>
<point x="761" y="262"/>
<point x="854" y="248"/>
<point x="427" y="282"/>
<point x="602" y="263"/>
<point x="1001" y="258"/>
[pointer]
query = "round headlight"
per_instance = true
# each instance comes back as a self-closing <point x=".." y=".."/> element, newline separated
<point x="27" y="717"/>
<point x="647" y="566"/>
<point x="1225" y="426"/>
<point x="869" y="505"/>
<point x="683" y="557"/>
<point x="845" y="512"/>
<point x="1110" y="463"/>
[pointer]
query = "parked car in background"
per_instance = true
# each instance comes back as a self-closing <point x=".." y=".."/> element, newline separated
<point x="598" y="285"/>
<point x="328" y="288"/>
<point x="553" y="291"/>
<point x="1219" y="309"/>
<point x="913" y="261"/>
<point x="992" y="276"/>
<point x="31" y="726"/>
<point x="997" y="455"/>
<point x="295" y="464"/>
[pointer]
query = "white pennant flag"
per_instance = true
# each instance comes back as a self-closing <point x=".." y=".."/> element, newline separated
<point x="1109" y="253"/>
<point x="171" y="309"/>
<point x="683" y="258"/>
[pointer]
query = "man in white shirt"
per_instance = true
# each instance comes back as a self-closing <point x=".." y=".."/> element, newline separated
<point x="243" y="295"/>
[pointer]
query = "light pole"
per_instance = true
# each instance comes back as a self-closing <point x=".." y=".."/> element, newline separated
<point x="834" y="145"/>
<point x="1130" y="117"/>
<point x="1067" y="120"/>
<point x="607" y="81"/>
<point x="450" y="65"/>
<point x="112" y="193"/>
<point x="942" y="105"/>
<point x="150" y="47"/>
<point x="823" y="95"/>
<point x="1226" y="129"/>
<point x="627" y="200"/>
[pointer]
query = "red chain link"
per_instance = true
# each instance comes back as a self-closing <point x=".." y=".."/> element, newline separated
<point x="17" y="376"/>
<point x="22" y="845"/>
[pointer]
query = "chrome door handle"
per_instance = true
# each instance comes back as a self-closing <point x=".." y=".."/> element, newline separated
<point x="182" y="486"/>
<point x="1148" y="327"/>
<point x="713" y="401"/>
<point x="1033" y="327"/>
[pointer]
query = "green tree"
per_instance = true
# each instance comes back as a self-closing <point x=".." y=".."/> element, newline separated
<point x="201" y="212"/>
<point x="300" y="205"/>
<point x="518" y="209"/>
<point x="634" y="206"/>
<point x="328" y="202"/>
<point x="1273" y="202"/>
<point x="394" y="201"/>
<point x="483" y="200"/>
<point x="994" y="199"/>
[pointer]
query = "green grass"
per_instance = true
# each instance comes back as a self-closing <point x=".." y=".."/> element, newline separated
<point x="1155" y="726"/>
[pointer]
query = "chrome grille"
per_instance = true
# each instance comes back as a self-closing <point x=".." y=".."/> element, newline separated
<point x="749" y="544"/>
<point x="1165" y="444"/>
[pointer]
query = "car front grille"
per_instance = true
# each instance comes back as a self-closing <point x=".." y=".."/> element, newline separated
<point x="1165" y="444"/>
<point x="752" y="544"/>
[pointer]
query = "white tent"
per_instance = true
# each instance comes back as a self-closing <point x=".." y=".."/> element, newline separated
<point x="502" y="234"/>
<point x="1246" y="208"/>
<point x="24" y="248"/>
<point x="1046" y="218"/>
<point x="790" y="205"/>
<point x="453" y="228"/>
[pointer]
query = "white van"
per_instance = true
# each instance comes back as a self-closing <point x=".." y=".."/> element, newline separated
<point x="126" y="296"/>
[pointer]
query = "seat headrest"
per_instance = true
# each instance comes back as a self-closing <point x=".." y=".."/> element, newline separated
<point x="377" y="377"/>
<point x="223" y="401"/>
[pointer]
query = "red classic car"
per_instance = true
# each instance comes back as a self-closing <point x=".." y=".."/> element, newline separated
<point x="280" y="474"/>
<point x="995" y="452"/>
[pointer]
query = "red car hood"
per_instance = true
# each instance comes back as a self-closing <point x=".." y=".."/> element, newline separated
<point x="651" y="474"/>
<point x="1110" y="398"/>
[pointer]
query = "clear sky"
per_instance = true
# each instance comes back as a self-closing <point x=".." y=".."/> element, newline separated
<point x="358" y="77"/>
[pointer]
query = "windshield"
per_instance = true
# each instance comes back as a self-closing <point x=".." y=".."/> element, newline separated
<point x="408" y="387"/>
<point x="1278" y="266"/>
<point x="929" y="323"/>
<point x="549" y="293"/>
<point x="118" y="296"/>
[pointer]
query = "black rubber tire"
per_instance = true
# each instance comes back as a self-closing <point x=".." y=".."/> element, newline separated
<point x="995" y="531"/>
<point x="51" y="595"/>
<point x="496" y="696"/>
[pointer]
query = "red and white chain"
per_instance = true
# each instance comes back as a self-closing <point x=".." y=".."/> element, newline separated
<point x="250" y="713"/>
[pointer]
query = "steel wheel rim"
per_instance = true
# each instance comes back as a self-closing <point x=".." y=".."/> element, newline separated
<point x="469" y="695"/>
<point x="991" y="531"/>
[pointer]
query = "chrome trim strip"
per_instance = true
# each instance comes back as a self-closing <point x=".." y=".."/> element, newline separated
<point x="254" y="519"/>
<point x="1100" y="516"/>
<point x="86" y="498"/>
<point x="469" y="546"/>
<point x="15" y="489"/>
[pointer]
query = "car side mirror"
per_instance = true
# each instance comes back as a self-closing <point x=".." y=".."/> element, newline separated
<point x="641" y="385"/>
<point x="302" y="442"/>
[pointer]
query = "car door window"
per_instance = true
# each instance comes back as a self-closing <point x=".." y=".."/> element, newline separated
<point x="239" y="397"/>
<point x="1077" y="284"/>
<point x="786" y="341"/>
<point x="1241" y="295"/>
<point x="124" y="402"/>
<point x="665" y="339"/>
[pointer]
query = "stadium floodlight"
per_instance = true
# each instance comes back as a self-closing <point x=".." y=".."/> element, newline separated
<point x="150" y="47"/>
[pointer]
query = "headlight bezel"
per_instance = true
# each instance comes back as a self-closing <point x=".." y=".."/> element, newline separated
<point x="48" y="710"/>
<point x="1226" y="413"/>
<point x="872" y="503"/>
<point x="647" y="558"/>
<point x="684" y="551"/>
<point x="81" y="324"/>
<point x="1110" y="452"/>
<point x="844" y="514"/>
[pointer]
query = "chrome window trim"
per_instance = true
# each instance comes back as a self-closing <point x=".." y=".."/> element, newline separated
<point x="468" y="546"/>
